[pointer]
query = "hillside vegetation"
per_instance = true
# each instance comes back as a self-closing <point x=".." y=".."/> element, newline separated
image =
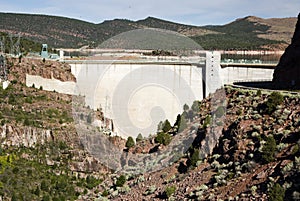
<point x="25" y="45"/>
<point x="245" y="33"/>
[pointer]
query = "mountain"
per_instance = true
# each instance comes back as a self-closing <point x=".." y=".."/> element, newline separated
<point x="245" y="33"/>
<point x="252" y="32"/>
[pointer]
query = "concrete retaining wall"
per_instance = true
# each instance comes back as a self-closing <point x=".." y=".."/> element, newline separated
<point x="50" y="84"/>
<point x="234" y="74"/>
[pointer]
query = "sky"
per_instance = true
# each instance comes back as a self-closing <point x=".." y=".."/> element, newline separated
<point x="193" y="12"/>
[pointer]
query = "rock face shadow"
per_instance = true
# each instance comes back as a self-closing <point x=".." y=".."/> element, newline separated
<point x="287" y="72"/>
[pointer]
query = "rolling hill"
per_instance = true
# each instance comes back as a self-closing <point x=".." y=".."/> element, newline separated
<point x="245" y="33"/>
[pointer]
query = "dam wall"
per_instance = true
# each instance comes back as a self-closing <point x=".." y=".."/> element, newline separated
<point x="137" y="94"/>
<point x="142" y="93"/>
<point x="232" y="74"/>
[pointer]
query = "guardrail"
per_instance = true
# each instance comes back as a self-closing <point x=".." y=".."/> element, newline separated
<point x="261" y="80"/>
<point x="249" y="65"/>
<point x="166" y="62"/>
<point x="269" y="90"/>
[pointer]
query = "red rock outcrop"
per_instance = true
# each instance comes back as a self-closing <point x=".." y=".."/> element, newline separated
<point x="287" y="72"/>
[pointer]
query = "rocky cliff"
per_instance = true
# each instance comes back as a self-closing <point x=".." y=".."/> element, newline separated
<point x="25" y="136"/>
<point x="33" y="66"/>
<point x="287" y="72"/>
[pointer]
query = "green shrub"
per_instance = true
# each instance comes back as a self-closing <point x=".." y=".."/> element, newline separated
<point x="121" y="181"/>
<point x="46" y="198"/>
<point x="44" y="186"/>
<point x="26" y="122"/>
<point x="130" y="142"/>
<point x="92" y="182"/>
<point x="14" y="197"/>
<point x="12" y="99"/>
<point x="28" y="99"/>
<point x="220" y="111"/>
<point x="89" y="119"/>
<point x="105" y="193"/>
<point x="163" y="138"/>
<point x="274" y="99"/>
<point x="276" y="193"/>
<point x="37" y="191"/>
<point x="239" y="111"/>
<point x="207" y="122"/>
<point x="170" y="190"/>
<point x="258" y="93"/>
<point x="295" y="149"/>
<point x="62" y="145"/>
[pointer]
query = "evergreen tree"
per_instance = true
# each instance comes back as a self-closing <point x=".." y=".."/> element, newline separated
<point x="194" y="158"/>
<point x="196" y="106"/>
<point x="130" y="142"/>
<point x="139" y="137"/>
<point x="186" y="107"/>
<point x="182" y="125"/>
<point x="268" y="150"/>
<point x="166" y="126"/>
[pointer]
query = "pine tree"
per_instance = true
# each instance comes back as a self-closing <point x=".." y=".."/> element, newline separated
<point x="130" y="142"/>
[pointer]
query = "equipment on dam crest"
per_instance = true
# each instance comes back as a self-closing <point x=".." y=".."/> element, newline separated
<point x="44" y="52"/>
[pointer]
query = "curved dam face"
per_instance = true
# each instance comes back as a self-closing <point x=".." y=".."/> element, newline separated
<point x="138" y="96"/>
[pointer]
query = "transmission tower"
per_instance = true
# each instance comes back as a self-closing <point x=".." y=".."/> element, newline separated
<point x="14" y="47"/>
<point x="2" y="45"/>
<point x="3" y="75"/>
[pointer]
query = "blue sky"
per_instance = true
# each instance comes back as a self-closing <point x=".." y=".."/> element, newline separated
<point x="196" y="12"/>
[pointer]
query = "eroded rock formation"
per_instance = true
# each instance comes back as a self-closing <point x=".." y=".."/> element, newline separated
<point x="287" y="72"/>
<point x="24" y="136"/>
<point x="48" y="69"/>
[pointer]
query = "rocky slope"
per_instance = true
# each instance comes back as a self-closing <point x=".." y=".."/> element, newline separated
<point x="35" y="66"/>
<point x="257" y="157"/>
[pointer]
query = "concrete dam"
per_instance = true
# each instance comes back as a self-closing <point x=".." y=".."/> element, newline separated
<point x="137" y="92"/>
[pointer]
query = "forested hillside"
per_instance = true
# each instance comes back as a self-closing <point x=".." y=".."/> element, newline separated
<point x="245" y="33"/>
